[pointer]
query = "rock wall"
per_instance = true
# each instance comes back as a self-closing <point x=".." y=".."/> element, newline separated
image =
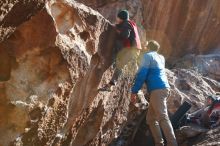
<point x="11" y="14"/>
<point x="34" y="68"/>
<point x="183" y="27"/>
<point x="51" y="67"/>
<point x="110" y="8"/>
<point x="207" y="65"/>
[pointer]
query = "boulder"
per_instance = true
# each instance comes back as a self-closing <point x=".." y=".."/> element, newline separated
<point x="189" y="85"/>
<point x="59" y="56"/>
<point x="207" y="65"/>
<point x="54" y="64"/>
<point x="14" y="13"/>
<point x="53" y="61"/>
<point x="209" y="138"/>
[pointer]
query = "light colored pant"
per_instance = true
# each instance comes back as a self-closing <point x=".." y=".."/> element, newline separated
<point x="125" y="56"/>
<point x="157" y="118"/>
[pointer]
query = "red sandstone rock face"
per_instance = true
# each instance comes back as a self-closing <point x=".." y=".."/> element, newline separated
<point x="66" y="44"/>
<point x="97" y="3"/>
<point x="183" y="27"/>
<point x="11" y="14"/>
<point x="35" y="68"/>
<point x="110" y="8"/>
<point x="51" y="68"/>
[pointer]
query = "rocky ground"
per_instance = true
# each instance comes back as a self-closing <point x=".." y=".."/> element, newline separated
<point x="55" y="55"/>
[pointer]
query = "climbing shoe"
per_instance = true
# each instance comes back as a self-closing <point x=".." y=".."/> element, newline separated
<point x="107" y="87"/>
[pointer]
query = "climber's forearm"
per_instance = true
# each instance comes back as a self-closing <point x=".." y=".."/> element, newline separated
<point x="139" y="80"/>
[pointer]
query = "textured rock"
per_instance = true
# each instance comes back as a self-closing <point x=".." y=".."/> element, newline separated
<point x="52" y="66"/>
<point x="110" y="8"/>
<point x="60" y="56"/>
<point x="14" y="13"/>
<point x="198" y="136"/>
<point x="97" y="3"/>
<point x="209" y="138"/>
<point x="188" y="85"/>
<point x="37" y="67"/>
<point x="183" y="27"/>
<point x="207" y="65"/>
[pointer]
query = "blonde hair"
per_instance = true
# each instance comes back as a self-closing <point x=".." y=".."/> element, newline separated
<point x="153" y="45"/>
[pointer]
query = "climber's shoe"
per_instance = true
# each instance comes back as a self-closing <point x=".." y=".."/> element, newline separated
<point x="107" y="87"/>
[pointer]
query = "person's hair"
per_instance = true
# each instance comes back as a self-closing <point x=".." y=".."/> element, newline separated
<point x="153" y="45"/>
<point x="123" y="15"/>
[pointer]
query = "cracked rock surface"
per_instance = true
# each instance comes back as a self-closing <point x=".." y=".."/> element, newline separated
<point x="55" y="55"/>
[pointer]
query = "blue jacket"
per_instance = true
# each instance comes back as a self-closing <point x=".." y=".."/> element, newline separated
<point x="151" y="72"/>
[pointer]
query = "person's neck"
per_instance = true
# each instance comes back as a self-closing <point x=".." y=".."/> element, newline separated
<point x="152" y="51"/>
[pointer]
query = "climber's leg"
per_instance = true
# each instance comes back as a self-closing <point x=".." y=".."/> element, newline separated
<point x="115" y="76"/>
<point x="158" y="101"/>
<point x="119" y="64"/>
<point x="154" y="127"/>
<point x="124" y="56"/>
